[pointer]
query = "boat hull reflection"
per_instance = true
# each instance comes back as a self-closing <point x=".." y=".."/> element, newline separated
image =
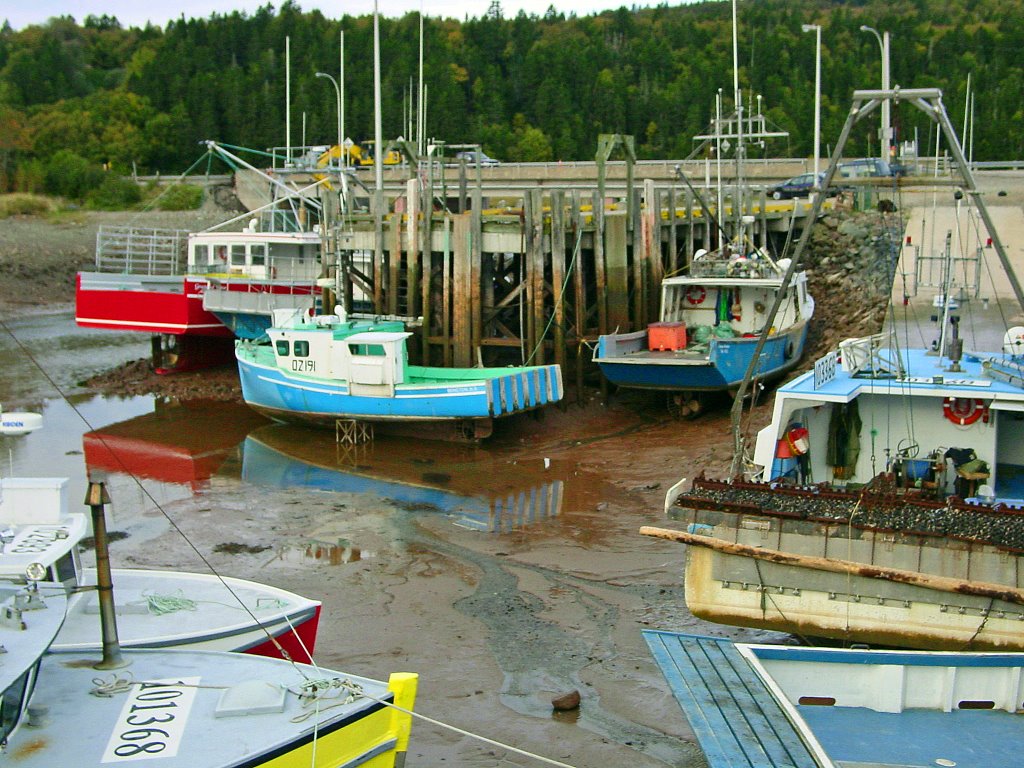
<point x="445" y="480"/>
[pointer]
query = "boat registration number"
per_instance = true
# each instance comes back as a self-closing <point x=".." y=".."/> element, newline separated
<point x="152" y="721"/>
<point x="304" y="366"/>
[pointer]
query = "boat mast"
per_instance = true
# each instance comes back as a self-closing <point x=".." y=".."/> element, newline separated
<point x="740" y="148"/>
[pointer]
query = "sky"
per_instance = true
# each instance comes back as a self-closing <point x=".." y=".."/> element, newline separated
<point x="135" y="13"/>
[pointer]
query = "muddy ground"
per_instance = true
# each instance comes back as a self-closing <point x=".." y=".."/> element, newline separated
<point x="497" y="625"/>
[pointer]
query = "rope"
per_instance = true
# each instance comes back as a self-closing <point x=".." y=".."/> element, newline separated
<point x="312" y="692"/>
<point x="107" y="688"/>
<point x="457" y="730"/>
<point x="565" y="283"/>
<point x="160" y="605"/>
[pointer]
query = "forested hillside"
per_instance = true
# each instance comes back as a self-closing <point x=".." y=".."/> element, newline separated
<point x="76" y="96"/>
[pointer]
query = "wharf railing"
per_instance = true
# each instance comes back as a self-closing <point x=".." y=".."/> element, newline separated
<point x="141" y="250"/>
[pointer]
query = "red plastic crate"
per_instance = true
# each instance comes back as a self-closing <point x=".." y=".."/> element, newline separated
<point x="662" y="337"/>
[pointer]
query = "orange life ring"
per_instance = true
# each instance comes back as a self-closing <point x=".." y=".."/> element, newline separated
<point x="696" y="294"/>
<point x="963" y="410"/>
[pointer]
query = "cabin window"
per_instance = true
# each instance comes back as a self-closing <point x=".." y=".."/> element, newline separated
<point x="367" y="350"/>
<point x="65" y="569"/>
<point x="258" y="254"/>
<point x="238" y="255"/>
<point x="201" y="255"/>
<point x="282" y="347"/>
<point x="10" y="704"/>
<point x="302" y="349"/>
<point x="221" y="252"/>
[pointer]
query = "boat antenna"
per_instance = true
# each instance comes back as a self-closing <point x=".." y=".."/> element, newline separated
<point x="703" y="206"/>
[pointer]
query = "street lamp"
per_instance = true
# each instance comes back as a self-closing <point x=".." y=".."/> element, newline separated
<point x="337" y="91"/>
<point x="886" y="134"/>
<point x="816" y="28"/>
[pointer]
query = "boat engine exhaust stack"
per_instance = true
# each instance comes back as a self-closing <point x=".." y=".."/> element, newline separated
<point x="96" y="498"/>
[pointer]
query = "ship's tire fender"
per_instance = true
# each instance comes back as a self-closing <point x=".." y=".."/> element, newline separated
<point x="964" y="410"/>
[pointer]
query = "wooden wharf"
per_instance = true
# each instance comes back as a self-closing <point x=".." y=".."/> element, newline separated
<point x="505" y="268"/>
<point x="536" y="278"/>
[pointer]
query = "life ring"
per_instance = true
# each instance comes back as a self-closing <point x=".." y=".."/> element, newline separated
<point x="696" y="294"/>
<point x="798" y="440"/>
<point x="964" y="410"/>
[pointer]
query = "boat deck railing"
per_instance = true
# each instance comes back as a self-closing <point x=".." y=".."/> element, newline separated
<point x="141" y="250"/>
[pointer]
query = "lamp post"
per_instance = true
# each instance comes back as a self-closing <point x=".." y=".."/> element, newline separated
<point x="337" y="91"/>
<point x="816" y="28"/>
<point x="886" y="135"/>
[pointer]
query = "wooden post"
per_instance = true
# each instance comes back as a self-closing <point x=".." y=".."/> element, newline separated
<point x="558" y="273"/>
<point x="413" y="251"/>
<point x="617" y="272"/>
<point x="394" y="262"/>
<point x="535" y="276"/>
<point x="427" y="273"/>
<point x="462" y="250"/>
<point x="474" y="306"/>
<point x="599" y="266"/>
<point x="580" y="296"/>
<point x="673" y="243"/>
<point x="446" y="293"/>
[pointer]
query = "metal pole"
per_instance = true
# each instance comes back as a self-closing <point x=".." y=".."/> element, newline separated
<point x="96" y="497"/>
<point x="887" y="104"/>
<point x="378" y="131"/>
<point x="817" y="95"/>
<point x="337" y="93"/>
<point x="287" y="100"/>
<point x="341" y="98"/>
<point x="884" y="135"/>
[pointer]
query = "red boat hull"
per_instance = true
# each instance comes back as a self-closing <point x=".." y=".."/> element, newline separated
<point x="159" y="305"/>
<point x="298" y="643"/>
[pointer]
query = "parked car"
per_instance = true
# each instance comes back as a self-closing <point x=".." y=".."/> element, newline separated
<point x="471" y="157"/>
<point x="798" y="186"/>
<point x="863" y="168"/>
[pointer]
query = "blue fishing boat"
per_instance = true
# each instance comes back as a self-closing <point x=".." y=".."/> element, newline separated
<point x="765" y="705"/>
<point x="708" y="330"/>
<point x="326" y="369"/>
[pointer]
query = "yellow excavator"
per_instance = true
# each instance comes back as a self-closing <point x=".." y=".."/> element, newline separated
<point x="358" y="156"/>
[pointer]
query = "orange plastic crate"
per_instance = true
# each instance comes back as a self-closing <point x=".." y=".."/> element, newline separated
<point x="662" y="337"/>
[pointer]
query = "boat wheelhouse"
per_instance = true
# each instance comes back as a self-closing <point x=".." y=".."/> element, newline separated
<point x="709" y="328"/>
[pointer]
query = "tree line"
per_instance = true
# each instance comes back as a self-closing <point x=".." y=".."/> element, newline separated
<point x="80" y="98"/>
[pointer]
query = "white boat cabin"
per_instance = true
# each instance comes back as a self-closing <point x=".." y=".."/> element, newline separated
<point x="744" y="303"/>
<point x="908" y="413"/>
<point x="255" y="255"/>
<point x="372" y="362"/>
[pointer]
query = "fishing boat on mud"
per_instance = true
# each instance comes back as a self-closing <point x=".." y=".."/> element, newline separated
<point x="327" y="369"/>
<point x="196" y="291"/>
<point x="183" y="707"/>
<point x="884" y="501"/>
<point x="157" y="609"/>
<point x="824" y="707"/>
<point x="709" y="326"/>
